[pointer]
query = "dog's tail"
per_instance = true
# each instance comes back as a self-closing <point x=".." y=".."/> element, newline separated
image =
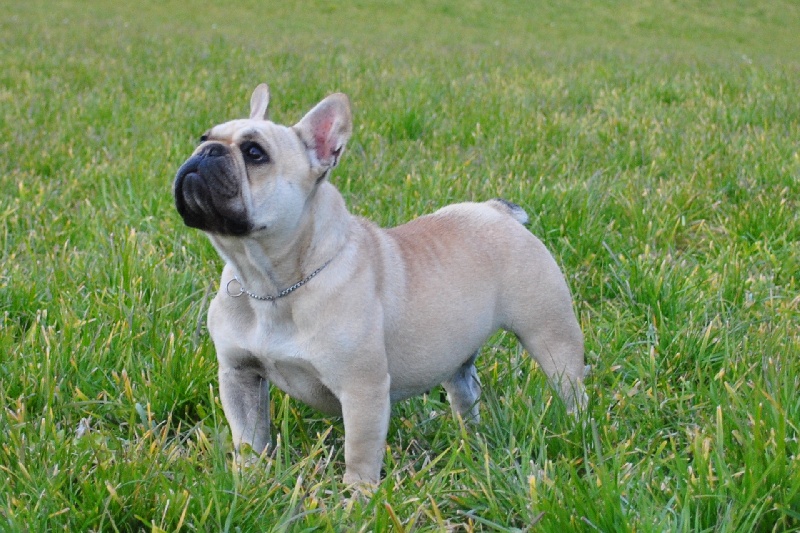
<point x="510" y="208"/>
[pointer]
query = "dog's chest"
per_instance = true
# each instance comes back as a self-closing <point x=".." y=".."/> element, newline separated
<point x="285" y="357"/>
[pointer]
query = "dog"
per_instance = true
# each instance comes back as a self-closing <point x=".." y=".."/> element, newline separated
<point x="349" y="317"/>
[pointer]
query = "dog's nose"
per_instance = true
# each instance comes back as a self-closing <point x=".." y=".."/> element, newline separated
<point x="213" y="150"/>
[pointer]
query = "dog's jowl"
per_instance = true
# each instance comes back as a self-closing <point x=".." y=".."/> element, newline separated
<point x="344" y="315"/>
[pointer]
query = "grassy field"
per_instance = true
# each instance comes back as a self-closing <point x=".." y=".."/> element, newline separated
<point x="655" y="145"/>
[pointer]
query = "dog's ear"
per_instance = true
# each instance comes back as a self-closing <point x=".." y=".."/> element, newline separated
<point x="325" y="131"/>
<point x="259" y="102"/>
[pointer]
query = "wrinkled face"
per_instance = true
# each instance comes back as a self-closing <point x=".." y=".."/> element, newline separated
<point x="245" y="176"/>
<point x="252" y="175"/>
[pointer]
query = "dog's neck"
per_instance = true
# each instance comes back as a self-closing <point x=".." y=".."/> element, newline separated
<point x="267" y="264"/>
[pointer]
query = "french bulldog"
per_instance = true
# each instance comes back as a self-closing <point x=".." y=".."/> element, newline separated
<point x="344" y="315"/>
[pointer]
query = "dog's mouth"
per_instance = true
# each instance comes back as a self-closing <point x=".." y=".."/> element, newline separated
<point x="208" y="198"/>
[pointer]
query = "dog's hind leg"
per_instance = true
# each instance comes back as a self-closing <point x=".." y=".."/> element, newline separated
<point x="559" y="353"/>
<point x="537" y="307"/>
<point x="464" y="389"/>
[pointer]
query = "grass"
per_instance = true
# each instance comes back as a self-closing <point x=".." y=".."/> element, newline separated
<point x="655" y="145"/>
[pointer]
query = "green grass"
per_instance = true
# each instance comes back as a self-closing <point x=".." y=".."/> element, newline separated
<point x="655" y="145"/>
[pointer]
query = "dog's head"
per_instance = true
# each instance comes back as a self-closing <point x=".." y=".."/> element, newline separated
<point x="253" y="175"/>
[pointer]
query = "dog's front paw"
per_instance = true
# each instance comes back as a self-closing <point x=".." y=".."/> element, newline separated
<point x="245" y="457"/>
<point x="359" y="490"/>
<point x="357" y="482"/>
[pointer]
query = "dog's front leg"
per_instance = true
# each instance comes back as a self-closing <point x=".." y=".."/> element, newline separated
<point x="245" y="399"/>
<point x="366" y="409"/>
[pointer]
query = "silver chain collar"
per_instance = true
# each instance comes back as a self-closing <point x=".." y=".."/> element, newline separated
<point x="281" y="294"/>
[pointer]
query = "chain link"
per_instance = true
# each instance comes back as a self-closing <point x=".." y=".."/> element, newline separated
<point x="281" y="294"/>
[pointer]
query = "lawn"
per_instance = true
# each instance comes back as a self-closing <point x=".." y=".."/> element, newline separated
<point x="654" y="144"/>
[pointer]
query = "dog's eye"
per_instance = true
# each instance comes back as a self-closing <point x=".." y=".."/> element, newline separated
<point x="254" y="153"/>
<point x="203" y="138"/>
